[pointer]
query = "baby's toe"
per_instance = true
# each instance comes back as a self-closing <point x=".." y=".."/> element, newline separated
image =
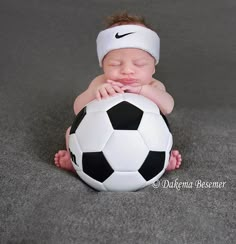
<point x="61" y="153"/>
<point x="58" y="164"/>
<point x="175" y="153"/>
<point x="178" y="164"/>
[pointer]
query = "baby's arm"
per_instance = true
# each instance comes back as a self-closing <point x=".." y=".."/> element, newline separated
<point x="88" y="95"/>
<point x="97" y="89"/>
<point x="156" y="92"/>
<point x="158" y="84"/>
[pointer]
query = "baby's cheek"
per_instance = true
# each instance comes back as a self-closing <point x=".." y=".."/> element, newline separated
<point x="109" y="75"/>
<point x="148" y="78"/>
<point x="113" y="76"/>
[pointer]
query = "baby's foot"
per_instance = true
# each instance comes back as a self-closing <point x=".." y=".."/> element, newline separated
<point x="62" y="160"/>
<point x="174" y="161"/>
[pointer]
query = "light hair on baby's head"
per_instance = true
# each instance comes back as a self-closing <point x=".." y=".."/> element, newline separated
<point x="124" y="18"/>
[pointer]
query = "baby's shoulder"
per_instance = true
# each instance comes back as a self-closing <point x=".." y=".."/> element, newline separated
<point x="98" y="80"/>
<point x="158" y="84"/>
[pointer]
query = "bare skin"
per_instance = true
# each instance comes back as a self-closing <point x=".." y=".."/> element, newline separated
<point x="125" y="70"/>
<point x="62" y="160"/>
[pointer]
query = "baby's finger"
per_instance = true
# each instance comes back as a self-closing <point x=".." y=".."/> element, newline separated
<point x="118" y="89"/>
<point x="132" y="89"/>
<point x="98" y="96"/>
<point x="124" y="88"/>
<point x="134" y="84"/>
<point x="110" y="81"/>
<point x="110" y="90"/>
<point x="115" y="83"/>
<point x="104" y="93"/>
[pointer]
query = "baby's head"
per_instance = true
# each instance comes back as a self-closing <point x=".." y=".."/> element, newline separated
<point x="127" y="31"/>
<point x="129" y="42"/>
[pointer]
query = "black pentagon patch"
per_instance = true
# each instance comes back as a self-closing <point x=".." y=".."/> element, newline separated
<point x="79" y="117"/>
<point x="153" y="165"/>
<point x="125" y="116"/>
<point x="96" y="166"/>
<point x="73" y="157"/>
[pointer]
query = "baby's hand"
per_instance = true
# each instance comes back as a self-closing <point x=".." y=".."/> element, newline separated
<point x="105" y="90"/>
<point x="115" y="83"/>
<point x="133" y="88"/>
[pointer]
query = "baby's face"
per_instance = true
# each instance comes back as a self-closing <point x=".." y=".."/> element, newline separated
<point x="129" y="65"/>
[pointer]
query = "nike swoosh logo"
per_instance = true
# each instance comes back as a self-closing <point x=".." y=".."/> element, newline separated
<point x="117" y="36"/>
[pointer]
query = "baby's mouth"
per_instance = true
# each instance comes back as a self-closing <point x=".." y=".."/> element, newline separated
<point x="127" y="80"/>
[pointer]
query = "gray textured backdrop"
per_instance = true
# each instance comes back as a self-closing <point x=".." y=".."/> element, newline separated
<point x="48" y="57"/>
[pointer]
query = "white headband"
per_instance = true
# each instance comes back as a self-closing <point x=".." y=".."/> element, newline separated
<point x="128" y="36"/>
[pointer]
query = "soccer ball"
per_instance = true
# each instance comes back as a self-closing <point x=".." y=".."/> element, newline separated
<point x="121" y="143"/>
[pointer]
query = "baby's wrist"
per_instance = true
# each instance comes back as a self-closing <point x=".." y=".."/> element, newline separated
<point x="145" y="89"/>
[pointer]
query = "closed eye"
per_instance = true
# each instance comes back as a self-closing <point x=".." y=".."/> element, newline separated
<point x="139" y="64"/>
<point x="114" y="64"/>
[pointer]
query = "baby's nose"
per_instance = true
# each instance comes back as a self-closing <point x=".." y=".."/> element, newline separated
<point x="127" y="69"/>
